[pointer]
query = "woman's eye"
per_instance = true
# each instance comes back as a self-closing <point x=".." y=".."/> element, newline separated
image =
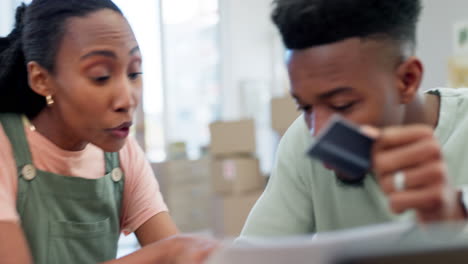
<point x="101" y="79"/>
<point x="134" y="75"/>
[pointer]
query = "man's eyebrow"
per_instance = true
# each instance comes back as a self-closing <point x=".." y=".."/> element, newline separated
<point x="298" y="100"/>
<point x="334" y="92"/>
<point x="326" y="95"/>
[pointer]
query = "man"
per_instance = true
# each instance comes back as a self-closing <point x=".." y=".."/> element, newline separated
<point x="356" y="59"/>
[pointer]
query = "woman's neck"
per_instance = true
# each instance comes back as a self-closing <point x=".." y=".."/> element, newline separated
<point x="52" y="127"/>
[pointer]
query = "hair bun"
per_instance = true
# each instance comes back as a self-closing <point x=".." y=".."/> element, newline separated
<point x="4" y="43"/>
<point x="19" y="17"/>
<point x="19" y="23"/>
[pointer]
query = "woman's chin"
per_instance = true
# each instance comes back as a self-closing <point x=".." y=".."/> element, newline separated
<point x="114" y="146"/>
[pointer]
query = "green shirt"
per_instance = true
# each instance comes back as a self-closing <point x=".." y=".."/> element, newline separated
<point x="304" y="197"/>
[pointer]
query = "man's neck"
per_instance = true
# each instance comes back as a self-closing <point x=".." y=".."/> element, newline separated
<point x="424" y="109"/>
<point x="432" y="106"/>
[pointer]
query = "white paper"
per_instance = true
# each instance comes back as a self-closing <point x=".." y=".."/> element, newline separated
<point x="313" y="249"/>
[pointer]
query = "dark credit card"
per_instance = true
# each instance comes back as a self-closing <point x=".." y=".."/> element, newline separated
<point x="344" y="147"/>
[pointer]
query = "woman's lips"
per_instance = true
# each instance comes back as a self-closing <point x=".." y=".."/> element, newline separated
<point x="121" y="131"/>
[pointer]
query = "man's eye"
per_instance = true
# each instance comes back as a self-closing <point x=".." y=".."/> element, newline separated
<point x="304" y="108"/>
<point x="342" y="108"/>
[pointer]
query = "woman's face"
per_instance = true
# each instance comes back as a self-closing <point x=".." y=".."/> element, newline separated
<point x="97" y="81"/>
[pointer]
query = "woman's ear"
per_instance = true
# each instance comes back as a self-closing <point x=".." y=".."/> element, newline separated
<point x="39" y="79"/>
<point x="409" y="74"/>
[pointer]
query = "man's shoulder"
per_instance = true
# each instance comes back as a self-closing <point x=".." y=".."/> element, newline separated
<point x="293" y="147"/>
<point x="450" y="92"/>
<point x="297" y="135"/>
<point x="453" y="105"/>
<point x="452" y="120"/>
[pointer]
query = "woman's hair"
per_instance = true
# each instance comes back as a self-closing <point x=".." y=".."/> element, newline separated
<point x="38" y="31"/>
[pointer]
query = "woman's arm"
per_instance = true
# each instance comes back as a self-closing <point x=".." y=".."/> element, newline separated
<point x="158" y="227"/>
<point x="157" y="235"/>
<point x="173" y="250"/>
<point x="13" y="246"/>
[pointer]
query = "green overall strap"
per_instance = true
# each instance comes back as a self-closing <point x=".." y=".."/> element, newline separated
<point x="13" y="126"/>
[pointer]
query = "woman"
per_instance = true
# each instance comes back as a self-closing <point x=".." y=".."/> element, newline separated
<point x="70" y="179"/>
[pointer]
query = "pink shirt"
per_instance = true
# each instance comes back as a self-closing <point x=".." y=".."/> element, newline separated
<point x="142" y="198"/>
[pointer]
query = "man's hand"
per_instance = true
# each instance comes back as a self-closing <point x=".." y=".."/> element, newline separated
<point x="425" y="186"/>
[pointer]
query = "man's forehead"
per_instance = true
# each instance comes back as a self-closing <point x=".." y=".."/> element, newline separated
<point x="337" y="61"/>
<point x="350" y="48"/>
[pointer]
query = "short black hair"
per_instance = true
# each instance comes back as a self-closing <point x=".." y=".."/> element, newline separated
<point x="308" y="23"/>
<point x="36" y="36"/>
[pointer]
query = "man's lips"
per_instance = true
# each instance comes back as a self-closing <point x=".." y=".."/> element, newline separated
<point x="327" y="166"/>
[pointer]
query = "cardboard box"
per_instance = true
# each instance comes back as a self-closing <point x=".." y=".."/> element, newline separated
<point x="178" y="172"/>
<point x="458" y="71"/>
<point x="234" y="137"/>
<point x="192" y="219"/>
<point x="190" y="206"/>
<point x="236" y="175"/>
<point x="230" y="213"/>
<point x="188" y="195"/>
<point x="283" y="113"/>
<point x="176" y="151"/>
<point x="187" y="191"/>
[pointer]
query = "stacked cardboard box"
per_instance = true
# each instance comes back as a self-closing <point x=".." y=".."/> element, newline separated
<point x="231" y="211"/>
<point x="236" y="178"/>
<point x="458" y="71"/>
<point x="283" y="113"/>
<point x="186" y="187"/>
<point x="236" y="175"/>
<point x="232" y="138"/>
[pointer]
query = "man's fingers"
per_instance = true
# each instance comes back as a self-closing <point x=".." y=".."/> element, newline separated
<point x="414" y="154"/>
<point x="416" y="178"/>
<point x="428" y="199"/>
<point x="397" y="136"/>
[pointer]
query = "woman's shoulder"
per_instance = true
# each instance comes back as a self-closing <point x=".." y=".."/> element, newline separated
<point x="131" y="150"/>
<point x="8" y="179"/>
<point x="132" y="158"/>
<point x="5" y="145"/>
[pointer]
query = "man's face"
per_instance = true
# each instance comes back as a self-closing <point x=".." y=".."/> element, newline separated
<point x="354" y="78"/>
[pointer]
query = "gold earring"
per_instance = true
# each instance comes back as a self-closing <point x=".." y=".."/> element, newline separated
<point x="49" y="100"/>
